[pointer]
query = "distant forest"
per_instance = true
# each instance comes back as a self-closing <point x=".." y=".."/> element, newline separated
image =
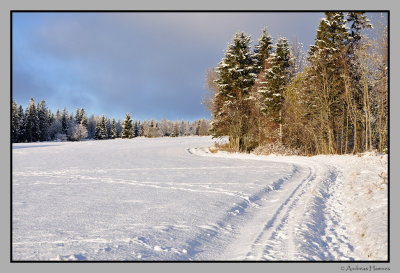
<point x="331" y="100"/>
<point x="38" y="123"/>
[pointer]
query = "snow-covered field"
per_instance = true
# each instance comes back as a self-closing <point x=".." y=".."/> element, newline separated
<point x="171" y="199"/>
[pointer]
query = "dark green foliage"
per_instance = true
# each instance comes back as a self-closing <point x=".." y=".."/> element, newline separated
<point x="236" y="76"/>
<point x="32" y="131"/>
<point x="43" y="120"/>
<point x="101" y="128"/>
<point x="276" y="79"/>
<point x="263" y="51"/>
<point x="127" y="131"/>
<point x="113" y="129"/>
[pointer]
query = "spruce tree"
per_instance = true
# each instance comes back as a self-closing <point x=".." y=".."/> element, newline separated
<point x="101" y="128"/>
<point x="358" y="21"/>
<point x="108" y="127"/>
<point x="83" y="118"/>
<point x="84" y="121"/>
<point x="276" y="79"/>
<point x="113" y="129"/>
<point x="263" y="51"/>
<point x="136" y="129"/>
<point x="21" y="132"/>
<point x="43" y="120"/>
<point x="64" y="121"/>
<point x="15" y="120"/>
<point x="127" y="131"/>
<point x="78" y="117"/>
<point x="118" y="125"/>
<point x="231" y="105"/>
<point x="104" y="131"/>
<point x="327" y="64"/>
<point x="91" y="126"/>
<point x="32" y="122"/>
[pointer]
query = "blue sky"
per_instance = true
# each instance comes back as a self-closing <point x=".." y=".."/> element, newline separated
<point x="151" y="65"/>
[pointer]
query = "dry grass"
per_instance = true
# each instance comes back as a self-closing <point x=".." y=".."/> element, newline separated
<point x="224" y="147"/>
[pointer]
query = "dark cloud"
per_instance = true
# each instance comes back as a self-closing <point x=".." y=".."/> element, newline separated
<point x="149" y="64"/>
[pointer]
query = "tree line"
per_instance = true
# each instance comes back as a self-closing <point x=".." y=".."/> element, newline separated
<point x="38" y="123"/>
<point x="333" y="100"/>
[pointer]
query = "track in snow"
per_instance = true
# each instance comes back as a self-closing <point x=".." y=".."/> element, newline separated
<point x="300" y="219"/>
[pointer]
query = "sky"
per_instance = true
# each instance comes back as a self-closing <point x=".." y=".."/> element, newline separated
<point x="151" y="65"/>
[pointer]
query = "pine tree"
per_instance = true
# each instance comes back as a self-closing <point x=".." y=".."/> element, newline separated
<point x="127" y="131"/>
<point x="101" y="128"/>
<point x="119" y="128"/>
<point x="64" y="121"/>
<point x="42" y="112"/>
<point x="263" y="51"/>
<point x="104" y="131"/>
<point x="231" y="103"/>
<point x="136" y="129"/>
<point x="276" y="79"/>
<point x="108" y="127"/>
<point x="15" y="122"/>
<point x="78" y="117"/>
<point x="83" y="118"/>
<point x="32" y="122"/>
<point x="113" y="129"/>
<point x="358" y="21"/>
<point x="58" y="114"/>
<point x="21" y="133"/>
<point x="91" y="127"/>
<point x="326" y="60"/>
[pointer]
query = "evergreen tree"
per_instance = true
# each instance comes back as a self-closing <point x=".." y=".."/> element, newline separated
<point x="136" y="129"/>
<point x="231" y="103"/>
<point x="119" y="128"/>
<point x="327" y="65"/>
<point x="263" y="51"/>
<point x="276" y="79"/>
<point x="127" y="131"/>
<point x="58" y="114"/>
<point x="358" y="21"/>
<point x="78" y="117"/>
<point x="84" y="121"/>
<point x="91" y="127"/>
<point x="21" y="132"/>
<point x="32" y="122"/>
<point x="113" y="129"/>
<point x="83" y="118"/>
<point x="64" y="121"/>
<point x="108" y="127"/>
<point x="101" y="128"/>
<point x="15" y="122"/>
<point x="43" y="120"/>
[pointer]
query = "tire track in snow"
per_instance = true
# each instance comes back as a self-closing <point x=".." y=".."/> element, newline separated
<point x="280" y="219"/>
<point x="309" y="224"/>
<point x="304" y="224"/>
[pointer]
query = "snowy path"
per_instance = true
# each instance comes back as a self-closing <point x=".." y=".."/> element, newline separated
<point x="298" y="220"/>
<point x="170" y="199"/>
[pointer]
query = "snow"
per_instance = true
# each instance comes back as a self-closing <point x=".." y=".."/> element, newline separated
<point x="171" y="199"/>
